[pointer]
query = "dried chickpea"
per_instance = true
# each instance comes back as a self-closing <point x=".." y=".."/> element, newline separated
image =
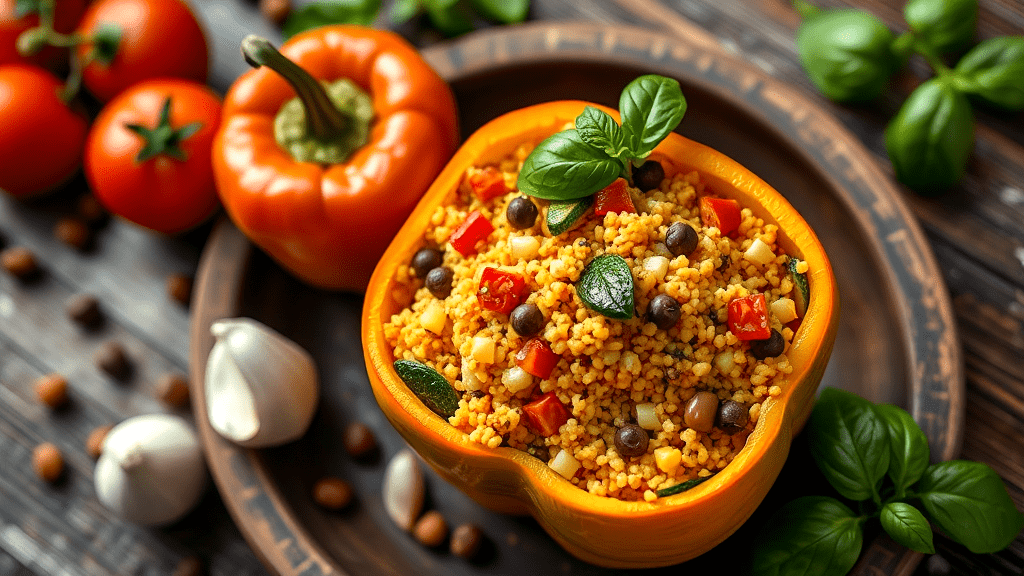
<point x="172" y="390"/>
<point x="94" y="442"/>
<point x="74" y="232"/>
<point x="332" y="493"/>
<point x="466" y="541"/>
<point x="20" y="262"/>
<point x="179" y="288"/>
<point x="359" y="440"/>
<point x="52" y="390"/>
<point x="431" y="529"/>
<point x="48" y="462"/>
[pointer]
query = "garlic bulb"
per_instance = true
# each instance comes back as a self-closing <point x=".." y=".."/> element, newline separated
<point x="151" y="469"/>
<point x="261" y="388"/>
<point x="404" y="489"/>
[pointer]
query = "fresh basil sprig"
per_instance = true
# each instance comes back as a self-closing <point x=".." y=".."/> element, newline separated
<point x="580" y="161"/>
<point x="849" y="436"/>
<point x="994" y="72"/>
<point x="944" y="25"/>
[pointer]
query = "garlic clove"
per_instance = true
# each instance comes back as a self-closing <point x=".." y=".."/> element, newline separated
<point x="151" y="469"/>
<point x="404" y="489"/>
<point x="262" y="389"/>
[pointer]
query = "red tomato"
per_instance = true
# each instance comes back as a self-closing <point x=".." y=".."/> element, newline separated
<point x="721" y="213"/>
<point x="546" y="414"/>
<point x="40" y="137"/>
<point x="66" y="15"/>
<point x="537" y="358"/>
<point x="159" y="38"/>
<point x="614" y="198"/>
<point x="748" y="318"/>
<point x="172" y="190"/>
<point x="473" y="230"/>
<point x="488" y="183"/>
<point x="500" y="291"/>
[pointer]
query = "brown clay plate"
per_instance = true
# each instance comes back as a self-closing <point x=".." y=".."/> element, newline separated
<point x="897" y="340"/>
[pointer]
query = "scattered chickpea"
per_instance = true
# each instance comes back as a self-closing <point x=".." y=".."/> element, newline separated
<point x="84" y="310"/>
<point x="179" y="288"/>
<point x="359" y="440"/>
<point x="48" y="462"/>
<point x="20" y="262"/>
<point x="113" y="359"/>
<point x="431" y="529"/>
<point x="74" y="232"/>
<point x="332" y="493"/>
<point x="52" y="390"/>
<point x="94" y="442"/>
<point x="189" y="566"/>
<point x="172" y="389"/>
<point x="276" y="11"/>
<point x="466" y="541"/>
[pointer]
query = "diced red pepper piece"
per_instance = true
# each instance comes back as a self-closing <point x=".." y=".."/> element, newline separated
<point x="500" y="291"/>
<point x="546" y="414"/>
<point x="487" y="183"/>
<point x="614" y="198"/>
<point x="722" y="213"/>
<point x="469" y="233"/>
<point x="537" y="358"/>
<point x="748" y="318"/>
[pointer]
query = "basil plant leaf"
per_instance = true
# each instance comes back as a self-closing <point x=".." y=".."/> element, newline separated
<point x="994" y="71"/>
<point x="969" y="502"/>
<point x="846" y="54"/>
<point x="564" y="167"/>
<point x="908" y="527"/>
<point x="850" y="443"/>
<point x="325" y="12"/>
<point x="942" y="25"/>
<point x="600" y="130"/>
<point x="606" y="286"/>
<point x="504" y="11"/>
<point x="404" y="10"/>
<point x="931" y="136"/>
<point x="810" y="536"/>
<point x="651" y="107"/>
<point x="908" y="447"/>
<point x="448" y="17"/>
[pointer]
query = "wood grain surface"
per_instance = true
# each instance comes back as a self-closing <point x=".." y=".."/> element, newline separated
<point x="976" y="232"/>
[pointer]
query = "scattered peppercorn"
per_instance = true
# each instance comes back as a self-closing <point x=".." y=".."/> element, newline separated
<point x="90" y="209"/>
<point x="189" y="566"/>
<point x="276" y="11"/>
<point x="332" y="493"/>
<point x="439" y="281"/>
<point x="84" y="310"/>
<point x="663" y="311"/>
<point x="112" y="359"/>
<point x="648" y="175"/>
<point x="74" y="232"/>
<point x="52" y="390"/>
<point x="94" y="442"/>
<point x="771" y="347"/>
<point x="172" y="390"/>
<point x="20" y="262"/>
<point x="527" y="319"/>
<point x="466" y="541"/>
<point x="631" y="440"/>
<point x="179" y="288"/>
<point x="521" y="213"/>
<point x="701" y="411"/>
<point x="431" y="529"/>
<point x="48" y="462"/>
<point x="732" y="417"/>
<point x="681" y="239"/>
<point x="425" y="260"/>
<point x="359" y="440"/>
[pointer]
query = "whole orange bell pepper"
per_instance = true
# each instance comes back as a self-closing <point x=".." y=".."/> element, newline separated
<point x="326" y="147"/>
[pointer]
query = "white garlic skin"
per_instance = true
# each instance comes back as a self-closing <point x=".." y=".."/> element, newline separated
<point x="404" y="490"/>
<point x="151" y="470"/>
<point x="262" y="389"/>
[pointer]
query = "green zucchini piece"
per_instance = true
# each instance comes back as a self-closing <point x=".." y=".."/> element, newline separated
<point x="564" y="214"/>
<point x="681" y="487"/>
<point x="428" y="384"/>
<point x="802" y="293"/>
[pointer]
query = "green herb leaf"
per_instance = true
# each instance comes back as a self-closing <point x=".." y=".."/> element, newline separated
<point x="943" y="25"/>
<point x="564" y="167"/>
<point x="404" y="10"/>
<point x="846" y="54"/>
<point x="564" y="214"/>
<point x="969" y="502"/>
<point x="907" y="526"/>
<point x="931" y="136"/>
<point x="810" y="536"/>
<point x="448" y="16"/>
<point x="325" y="12"/>
<point x="994" y="71"/>
<point x="651" y="106"/>
<point x="908" y="447"/>
<point x="600" y="130"/>
<point x="606" y="286"/>
<point x="850" y="444"/>
<point x="429" y="385"/>
<point x="504" y="11"/>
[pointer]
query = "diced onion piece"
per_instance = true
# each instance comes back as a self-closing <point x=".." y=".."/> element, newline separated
<point x="483" y="349"/>
<point x="469" y="380"/>
<point x="646" y="418"/>
<point x="759" y="252"/>
<point x="668" y="458"/>
<point x="724" y="362"/>
<point x="565" y="464"/>
<point x="434" y="317"/>
<point x="657" y="266"/>
<point x="784" y="310"/>
<point x="524" y="247"/>
<point x="516" y="379"/>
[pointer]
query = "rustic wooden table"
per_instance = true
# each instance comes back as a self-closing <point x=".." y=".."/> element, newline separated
<point x="976" y="232"/>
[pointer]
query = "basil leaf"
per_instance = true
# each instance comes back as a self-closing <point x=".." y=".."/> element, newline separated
<point x="564" y="167"/>
<point x="907" y="526"/>
<point x="810" y="536"/>
<point x="849" y="443"/>
<point x="404" y="10"/>
<point x="846" y="54"/>
<point x="994" y="71"/>
<point x="931" y="136"/>
<point x="651" y="106"/>
<point x="448" y="16"/>
<point x="325" y="12"/>
<point x="969" y="502"/>
<point x="606" y="286"/>
<point x="908" y="447"/>
<point x="504" y="11"/>
<point x="600" y="130"/>
<point x="943" y="25"/>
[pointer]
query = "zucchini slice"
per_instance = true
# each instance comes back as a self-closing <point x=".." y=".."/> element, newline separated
<point x="802" y="292"/>
<point x="563" y="215"/>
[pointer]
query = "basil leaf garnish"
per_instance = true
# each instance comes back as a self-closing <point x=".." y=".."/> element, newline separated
<point x="994" y="71"/>
<point x="564" y="167"/>
<point x="969" y="502"/>
<point x="606" y="286"/>
<point x="907" y="526"/>
<point x="908" y="447"/>
<point x="599" y="129"/>
<point x="810" y="536"/>
<point x="849" y="443"/>
<point x="944" y="25"/>
<point x="651" y="106"/>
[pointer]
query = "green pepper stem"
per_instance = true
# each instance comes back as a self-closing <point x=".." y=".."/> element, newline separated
<point x="324" y="121"/>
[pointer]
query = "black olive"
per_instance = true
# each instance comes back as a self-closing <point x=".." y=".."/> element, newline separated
<point x="439" y="281"/>
<point x="771" y="347"/>
<point x="663" y="311"/>
<point x="732" y="417"/>
<point x="527" y="319"/>
<point x="521" y="212"/>
<point x="631" y="440"/>
<point x="681" y="239"/>
<point x="425" y="260"/>
<point x="648" y="175"/>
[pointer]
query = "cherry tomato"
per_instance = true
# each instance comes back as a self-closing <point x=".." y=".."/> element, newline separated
<point x="40" y="137"/>
<point x="474" y="229"/>
<point x="66" y="15"/>
<point x="500" y="291"/>
<point x="158" y="39"/>
<point x="546" y="414"/>
<point x="748" y="318"/>
<point x="148" y="155"/>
